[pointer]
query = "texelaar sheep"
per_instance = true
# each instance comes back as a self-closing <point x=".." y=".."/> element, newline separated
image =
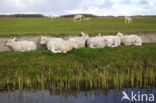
<point x="44" y="39"/>
<point x="79" y="42"/>
<point x="130" y="39"/>
<point x="128" y="19"/>
<point x="22" y="46"/>
<point x="57" y="45"/>
<point x="50" y="17"/>
<point x="78" y="18"/>
<point x="112" y="41"/>
<point x="96" y="42"/>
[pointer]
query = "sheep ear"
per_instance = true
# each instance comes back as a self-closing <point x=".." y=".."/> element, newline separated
<point x="99" y="34"/>
<point x="83" y="34"/>
<point x="118" y="34"/>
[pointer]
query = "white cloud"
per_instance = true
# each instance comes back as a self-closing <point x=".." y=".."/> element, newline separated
<point x="62" y="7"/>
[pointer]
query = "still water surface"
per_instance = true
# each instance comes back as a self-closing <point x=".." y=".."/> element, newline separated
<point x="58" y="96"/>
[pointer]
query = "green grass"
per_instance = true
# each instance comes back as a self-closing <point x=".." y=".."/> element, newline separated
<point x="125" y="66"/>
<point x="65" y="26"/>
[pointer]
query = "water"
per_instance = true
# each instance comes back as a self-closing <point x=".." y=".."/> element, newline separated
<point x="58" y="96"/>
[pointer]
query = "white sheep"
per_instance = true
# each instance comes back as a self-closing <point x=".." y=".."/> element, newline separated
<point x="44" y="39"/>
<point x="50" y="17"/>
<point x="112" y="41"/>
<point x="78" y="18"/>
<point x="130" y="39"/>
<point x="96" y="42"/>
<point x="79" y="42"/>
<point x="57" y="45"/>
<point x="22" y="46"/>
<point x="128" y="19"/>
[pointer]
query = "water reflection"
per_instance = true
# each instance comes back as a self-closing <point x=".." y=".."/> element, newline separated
<point x="59" y="96"/>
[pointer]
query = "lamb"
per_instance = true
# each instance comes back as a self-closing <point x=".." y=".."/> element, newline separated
<point x="21" y="46"/>
<point x="79" y="42"/>
<point x="57" y="45"/>
<point x="96" y="42"/>
<point x="130" y="39"/>
<point x="78" y="18"/>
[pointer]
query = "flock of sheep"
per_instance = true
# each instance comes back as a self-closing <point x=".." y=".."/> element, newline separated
<point x="60" y="45"/>
<point x="79" y="18"/>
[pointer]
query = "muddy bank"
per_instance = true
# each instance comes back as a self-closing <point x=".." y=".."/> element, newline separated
<point x="146" y="37"/>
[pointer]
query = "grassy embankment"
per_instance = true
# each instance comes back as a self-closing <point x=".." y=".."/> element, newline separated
<point x="65" y="26"/>
<point x="125" y="66"/>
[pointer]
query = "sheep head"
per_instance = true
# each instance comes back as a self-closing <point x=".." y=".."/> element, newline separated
<point x="10" y="42"/>
<point x="119" y="34"/>
<point x="85" y="35"/>
<point x="44" y="40"/>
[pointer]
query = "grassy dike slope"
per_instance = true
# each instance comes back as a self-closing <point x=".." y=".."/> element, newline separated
<point x="125" y="66"/>
<point x="66" y="26"/>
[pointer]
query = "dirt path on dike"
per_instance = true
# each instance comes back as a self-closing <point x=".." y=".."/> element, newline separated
<point x="146" y="37"/>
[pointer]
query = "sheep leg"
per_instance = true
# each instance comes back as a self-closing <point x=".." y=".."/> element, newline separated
<point x="22" y="50"/>
<point x="56" y="51"/>
<point x="91" y="46"/>
<point x="137" y="44"/>
<point x="113" y="46"/>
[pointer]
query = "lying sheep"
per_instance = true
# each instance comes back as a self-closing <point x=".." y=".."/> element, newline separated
<point x="103" y="41"/>
<point x="57" y="45"/>
<point x="96" y="42"/>
<point x="130" y="39"/>
<point x="44" y="39"/>
<point x="112" y="41"/>
<point x="79" y="42"/>
<point x="21" y="45"/>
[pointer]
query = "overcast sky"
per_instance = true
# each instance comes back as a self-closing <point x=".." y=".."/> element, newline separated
<point x="63" y="7"/>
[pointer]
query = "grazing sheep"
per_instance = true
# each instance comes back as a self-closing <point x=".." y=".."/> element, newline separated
<point x="78" y="18"/>
<point x="79" y="42"/>
<point x="57" y="45"/>
<point x="128" y="19"/>
<point x="22" y="46"/>
<point x="50" y="17"/>
<point x="130" y="39"/>
<point x="96" y="42"/>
